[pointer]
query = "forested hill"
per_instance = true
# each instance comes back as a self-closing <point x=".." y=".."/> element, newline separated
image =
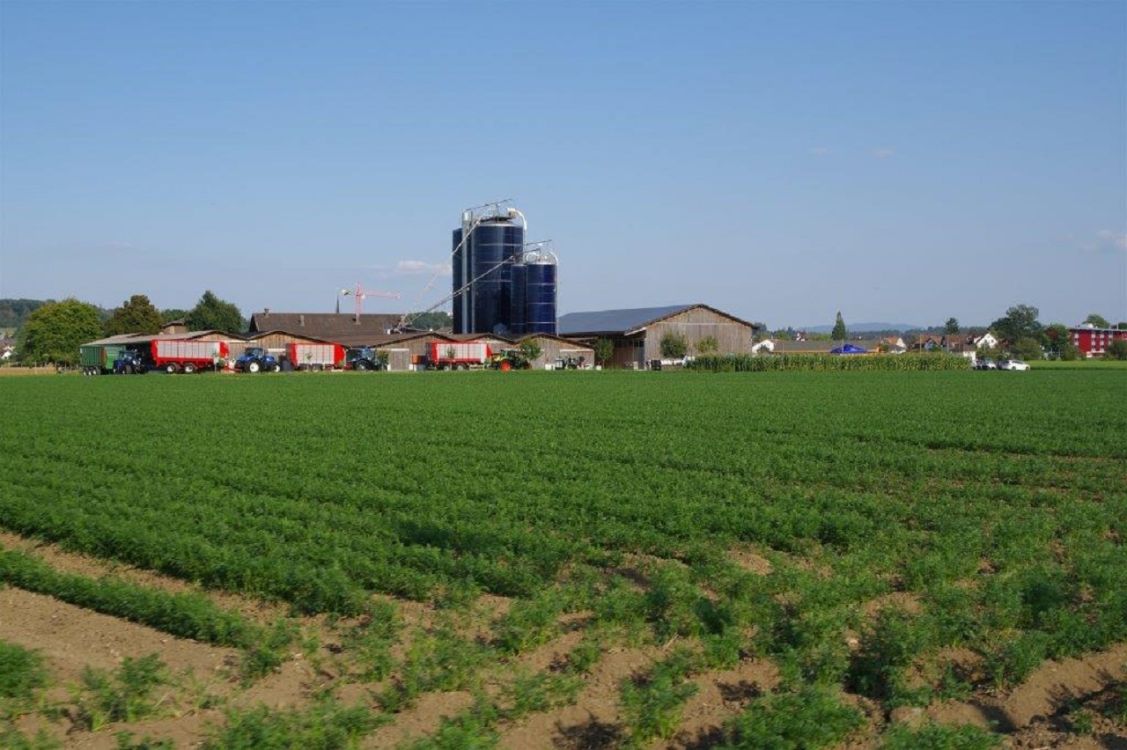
<point x="13" y="312"/>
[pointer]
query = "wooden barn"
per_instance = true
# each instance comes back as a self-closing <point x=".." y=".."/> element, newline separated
<point x="637" y="333"/>
<point x="555" y="348"/>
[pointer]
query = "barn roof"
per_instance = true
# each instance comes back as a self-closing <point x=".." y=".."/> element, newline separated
<point x="626" y="320"/>
<point x="144" y="338"/>
<point x="331" y="326"/>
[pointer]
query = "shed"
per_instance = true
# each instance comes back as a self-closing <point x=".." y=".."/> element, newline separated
<point x="274" y="342"/>
<point x="553" y="348"/>
<point x="636" y="333"/>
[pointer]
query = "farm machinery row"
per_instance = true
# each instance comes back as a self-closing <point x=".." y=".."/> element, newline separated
<point x="174" y="356"/>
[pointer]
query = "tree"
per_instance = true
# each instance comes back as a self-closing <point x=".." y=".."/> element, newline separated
<point x="604" y="351"/>
<point x="673" y="346"/>
<point x="1116" y="350"/>
<point x="708" y="345"/>
<point x="530" y="350"/>
<point x="171" y="314"/>
<point x="1059" y="343"/>
<point x="137" y="315"/>
<point x="1027" y="347"/>
<point x="839" y="333"/>
<point x="951" y="327"/>
<point x="1019" y="322"/>
<point x="53" y="332"/>
<point x="431" y="321"/>
<point x="212" y="313"/>
<point x="1098" y="321"/>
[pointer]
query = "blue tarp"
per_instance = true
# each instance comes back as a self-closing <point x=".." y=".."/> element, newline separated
<point x="849" y="349"/>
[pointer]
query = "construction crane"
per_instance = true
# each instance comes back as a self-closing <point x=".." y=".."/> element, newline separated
<point x="359" y="294"/>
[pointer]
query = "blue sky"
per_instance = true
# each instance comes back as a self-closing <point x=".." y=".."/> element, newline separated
<point x="900" y="162"/>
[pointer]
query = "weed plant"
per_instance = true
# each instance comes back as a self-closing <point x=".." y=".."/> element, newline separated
<point x="125" y="694"/>
<point x="938" y="737"/>
<point x="809" y="719"/>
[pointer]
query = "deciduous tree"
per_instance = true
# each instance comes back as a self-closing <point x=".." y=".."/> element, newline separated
<point x="136" y="315"/>
<point x="212" y="313"/>
<point x="604" y="350"/>
<point x="1116" y="350"/>
<point x="1020" y="321"/>
<point x="1097" y="320"/>
<point x="673" y="346"/>
<point x="53" y="332"/>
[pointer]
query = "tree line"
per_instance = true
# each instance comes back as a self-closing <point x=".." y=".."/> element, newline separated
<point x="52" y="331"/>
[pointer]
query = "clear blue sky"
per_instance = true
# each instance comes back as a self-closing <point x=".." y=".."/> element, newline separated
<point x="901" y="162"/>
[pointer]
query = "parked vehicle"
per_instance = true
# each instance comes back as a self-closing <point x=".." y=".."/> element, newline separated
<point x="569" y="363"/>
<point x="130" y="362"/>
<point x="446" y="355"/>
<point x="315" y="356"/>
<point x="98" y="359"/>
<point x="985" y="364"/>
<point x="257" y="359"/>
<point x="188" y="356"/>
<point x="1013" y="365"/>
<point x="509" y="359"/>
<point x="362" y="358"/>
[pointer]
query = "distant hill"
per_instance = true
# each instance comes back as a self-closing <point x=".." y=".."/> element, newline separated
<point x="866" y="327"/>
<point x="13" y="312"/>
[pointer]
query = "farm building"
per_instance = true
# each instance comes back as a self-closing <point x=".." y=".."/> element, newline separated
<point x="406" y="349"/>
<point x="347" y="329"/>
<point x="1092" y="341"/>
<point x="274" y="342"/>
<point x="553" y="348"/>
<point x="637" y="333"/>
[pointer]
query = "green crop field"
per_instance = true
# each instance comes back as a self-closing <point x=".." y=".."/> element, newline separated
<point x="885" y="540"/>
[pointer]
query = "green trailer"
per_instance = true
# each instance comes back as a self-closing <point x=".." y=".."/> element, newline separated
<point x="97" y="359"/>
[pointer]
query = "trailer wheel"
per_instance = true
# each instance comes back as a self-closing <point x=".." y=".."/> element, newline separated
<point x="170" y="368"/>
<point x="189" y="368"/>
<point x="252" y="366"/>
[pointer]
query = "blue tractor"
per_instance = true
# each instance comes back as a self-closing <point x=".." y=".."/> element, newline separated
<point x="257" y="359"/>
<point x="130" y="362"/>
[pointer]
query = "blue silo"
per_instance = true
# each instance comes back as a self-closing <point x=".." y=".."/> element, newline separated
<point x="484" y="264"/>
<point x="540" y="293"/>
<point x="517" y="297"/>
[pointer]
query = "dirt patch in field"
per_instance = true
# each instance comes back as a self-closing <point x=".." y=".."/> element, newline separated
<point x="73" y="638"/>
<point x="1053" y="686"/>
<point x="421" y="719"/>
<point x="550" y="654"/>
<point x="721" y="695"/>
<point x="593" y="720"/>
<point x="902" y="600"/>
<point x="189" y="730"/>
<point x="1056" y="683"/>
<point x="750" y="561"/>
